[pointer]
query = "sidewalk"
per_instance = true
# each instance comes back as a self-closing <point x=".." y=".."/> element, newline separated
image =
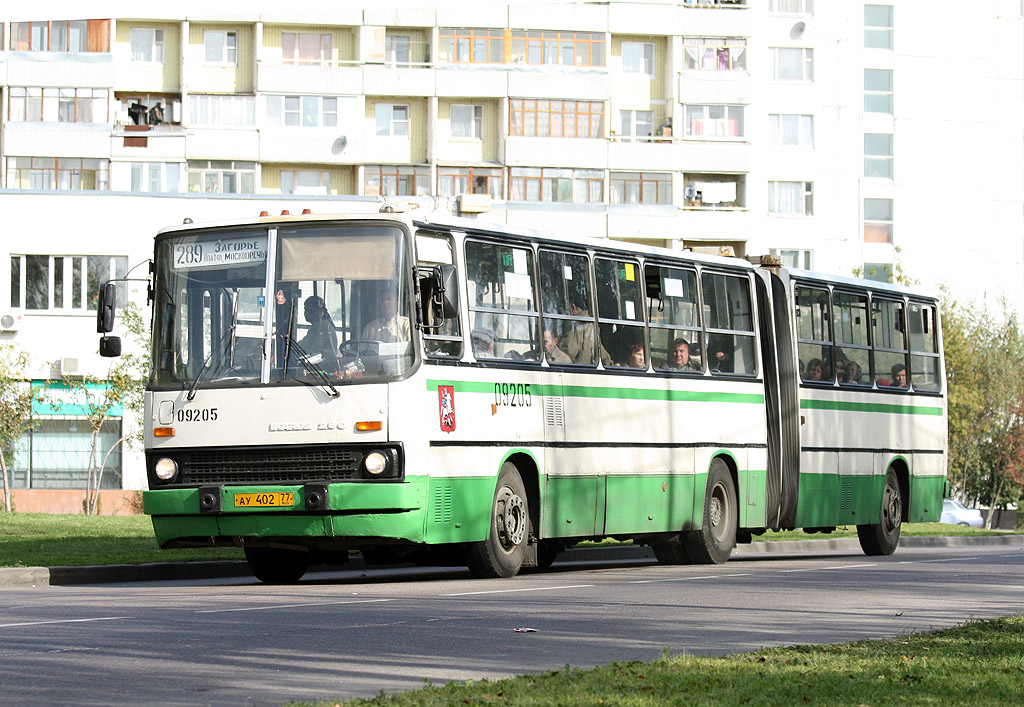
<point x="158" y="571"/>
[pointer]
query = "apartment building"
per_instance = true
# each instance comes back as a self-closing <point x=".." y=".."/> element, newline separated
<point x="845" y="137"/>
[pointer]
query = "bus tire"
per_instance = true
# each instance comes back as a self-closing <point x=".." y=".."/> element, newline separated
<point x="547" y="551"/>
<point x="671" y="552"/>
<point x="502" y="553"/>
<point x="713" y="543"/>
<point x="275" y="565"/>
<point x="882" y="538"/>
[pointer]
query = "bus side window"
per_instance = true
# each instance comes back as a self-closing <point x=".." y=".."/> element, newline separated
<point x="814" y="334"/>
<point x="503" y="309"/>
<point x="674" y="315"/>
<point x="568" y="328"/>
<point x="729" y="321"/>
<point x="619" y="310"/>
<point x="442" y="337"/>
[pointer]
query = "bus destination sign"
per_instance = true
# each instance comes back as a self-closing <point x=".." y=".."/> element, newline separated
<point x="221" y="252"/>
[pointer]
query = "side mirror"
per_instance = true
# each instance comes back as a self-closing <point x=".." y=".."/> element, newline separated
<point x="110" y="346"/>
<point x="105" y="305"/>
<point x="446" y="287"/>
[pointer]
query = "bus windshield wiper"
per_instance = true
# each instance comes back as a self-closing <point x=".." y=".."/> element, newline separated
<point x="321" y="377"/>
<point x="218" y="350"/>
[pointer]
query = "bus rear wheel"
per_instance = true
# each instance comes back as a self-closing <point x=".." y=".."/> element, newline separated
<point x="882" y="538"/>
<point x="713" y="543"/>
<point x="502" y="553"/>
<point x="275" y="565"/>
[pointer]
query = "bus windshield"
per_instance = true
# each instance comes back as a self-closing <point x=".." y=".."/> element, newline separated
<point x="336" y="310"/>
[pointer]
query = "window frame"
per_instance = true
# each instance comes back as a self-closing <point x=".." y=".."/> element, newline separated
<point x="660" y="182"/>
<point x="475" y="122"/>
<point x="389" y="122"/>
<point x="872" y="95"/>
<point x="293" y="41"/>
<point x="55" y="171"/>
<point x="806" y="61"/>
<point x="453" y="176"/>
<point x="549" y="47"/>
<point x="804" y="130"/>
<point x="420" y="175"/>
<point x="71" y="274"/>
<point x="155" y="44"/>
<point x="775" y="198"/>
<point x="228" y="48"/>
<point x="707" y="53"/>
<point x="544" y="111"/>
<point x="451" y="40"/>
<point x="646" y="57"/>
<point x="243" y="174"/>
<point x="545" y="176"/>
<point x="874" y="160"/>
<point x="628" y="128"/>
<point x="531" y="311"/>
<point x="707" y="108"/>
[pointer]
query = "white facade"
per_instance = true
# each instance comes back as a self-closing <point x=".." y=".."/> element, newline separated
<point x="395" y="103"/>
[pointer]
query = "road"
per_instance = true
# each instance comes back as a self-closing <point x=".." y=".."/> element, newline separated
<point x="347" y="634"/>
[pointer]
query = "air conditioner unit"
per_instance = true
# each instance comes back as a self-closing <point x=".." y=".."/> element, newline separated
<point x="10" y="321"/>
<point x="69" y="366"/>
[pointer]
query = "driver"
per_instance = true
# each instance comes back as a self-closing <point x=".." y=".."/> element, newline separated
<point x="391" y="326"/>
<point x="321" y="338"/>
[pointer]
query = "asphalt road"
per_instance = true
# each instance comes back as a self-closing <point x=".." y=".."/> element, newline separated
<point x="234" y="641"/>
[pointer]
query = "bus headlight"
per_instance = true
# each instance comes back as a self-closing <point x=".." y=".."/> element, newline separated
<point x="375" y="463"/>
<point x="165" y="469"/>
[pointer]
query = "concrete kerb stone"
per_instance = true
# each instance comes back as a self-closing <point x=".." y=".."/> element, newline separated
<point x="161" y="571"/>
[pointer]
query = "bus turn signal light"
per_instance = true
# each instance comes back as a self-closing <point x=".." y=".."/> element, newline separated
<point x="163" y="431"/>
<point x="369" y="426"/>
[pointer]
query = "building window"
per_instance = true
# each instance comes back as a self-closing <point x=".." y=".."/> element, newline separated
<point x="715" y="53"/>
<point x="641" y="187"/>
<point x="306" y="182"/>
<point x="638" y="58"/>
<point x="58" y="173"/>
<point x="718" y="191"/>
<point x="569" y="186"/>
<point x="396" y="49"/>
<point x="793" y="64"/>
<point x="467" y="121"/>
<point x="305" y="48"/>
<point x="58" y="105"/>
<point x="54" y="453"/>
<point x="792" y="130"/>
<point x="878" y="155"/>
<point x="302" y="111"/>
<point x="221" y="177"/>
<point x="155" y="177"/>
<point x="794" y="257"/>
<point x="878" y="220"/>
<point x="878" y="91"/>
<point x="392" y="119"/>
<point x="635" y="124"/>
<point x="471" y="46"/>
<point x="61" y="36"/>
<point x="878" y="27"/>
<point x="221" y="47"/>
<point x="714" y="121"/>
<point x="221" y="111"/>
<point x="879" y="272"/>
<point x="549" y="47"/>
<point x="48" y="282"/>
<point x="791" y="198"/>
<point x="396" y="180"/>
<point x="544" y="118"/>
<point x="452" y="181"/>
<point x="147" y="45"/>
<point x="791" y="7"/>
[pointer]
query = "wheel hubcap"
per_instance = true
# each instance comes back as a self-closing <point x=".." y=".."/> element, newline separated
<point x="719" y="512"/>
<point x="510" y="517"/>
<point x="892" y="509"/>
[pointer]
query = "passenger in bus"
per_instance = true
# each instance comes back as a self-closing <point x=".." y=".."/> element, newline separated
<point x="552" y="352"/>
<point x="815" y="370"/>
<point x="899" y="376"/>
<point x="635" y="357"/>
<point x="679" y="357"/>
<point x="580" y="342"/>
<point x="321" y="338"/>
<point x="851" y="372"/>
<point x="390" y="326"/>
<point x="483" y="343"/>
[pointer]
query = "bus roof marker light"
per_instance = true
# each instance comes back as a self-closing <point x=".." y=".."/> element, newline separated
<point x="264" y="213"/>
<point x="306" y="212"/>
<point x="186" y="220"/>
<point x="286" y="212"/>
<point x="163" y="431"/>
<point x="369" y="426"/>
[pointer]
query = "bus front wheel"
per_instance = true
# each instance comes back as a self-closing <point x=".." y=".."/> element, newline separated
<point x="502" y="553"/>
<point x="275" y="565"/>
<point x="882" y="538"/>
<point x="713" y="543"/>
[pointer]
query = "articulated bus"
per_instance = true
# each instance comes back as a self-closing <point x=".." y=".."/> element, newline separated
<point x="439" y="389"/>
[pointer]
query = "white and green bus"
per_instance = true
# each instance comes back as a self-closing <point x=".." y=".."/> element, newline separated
<point x="425" y="390"/>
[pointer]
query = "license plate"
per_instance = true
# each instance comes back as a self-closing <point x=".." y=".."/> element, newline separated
<point x="272" y="499"/>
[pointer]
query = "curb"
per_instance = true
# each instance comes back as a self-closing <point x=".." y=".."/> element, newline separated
<point x="11" y="577"/>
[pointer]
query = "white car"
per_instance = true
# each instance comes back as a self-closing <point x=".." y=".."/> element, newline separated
<point x="957" y="514"/>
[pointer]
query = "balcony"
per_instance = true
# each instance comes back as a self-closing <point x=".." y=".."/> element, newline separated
<point x="585" y="153"/>
<point x="66" y="69"/>
<point x="716" y="18"/>
<point x="57" y="139"/>
<point x="397" y="80"/>
<point x="155" y="143"/>
<point x="343" y="78"/>
<point x="310" y="145"/>
<point x="715" y="86"/>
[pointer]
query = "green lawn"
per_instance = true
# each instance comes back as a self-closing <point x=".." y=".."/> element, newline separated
<point x="979" y="663"/>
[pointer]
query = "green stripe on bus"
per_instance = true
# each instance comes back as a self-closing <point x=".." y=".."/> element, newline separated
<point x="811" y="404"/>
<point x="582" y="391"/>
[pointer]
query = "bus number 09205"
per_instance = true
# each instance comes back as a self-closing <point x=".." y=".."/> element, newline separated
<point x="512" y="395"/>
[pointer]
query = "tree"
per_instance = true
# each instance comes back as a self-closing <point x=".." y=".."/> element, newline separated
<point x="16" y="398"/>
<point x="985" y="377"/>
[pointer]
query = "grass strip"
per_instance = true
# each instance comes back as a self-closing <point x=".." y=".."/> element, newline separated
<point x="977" y="663"/>
<point x="47" y="540"/>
